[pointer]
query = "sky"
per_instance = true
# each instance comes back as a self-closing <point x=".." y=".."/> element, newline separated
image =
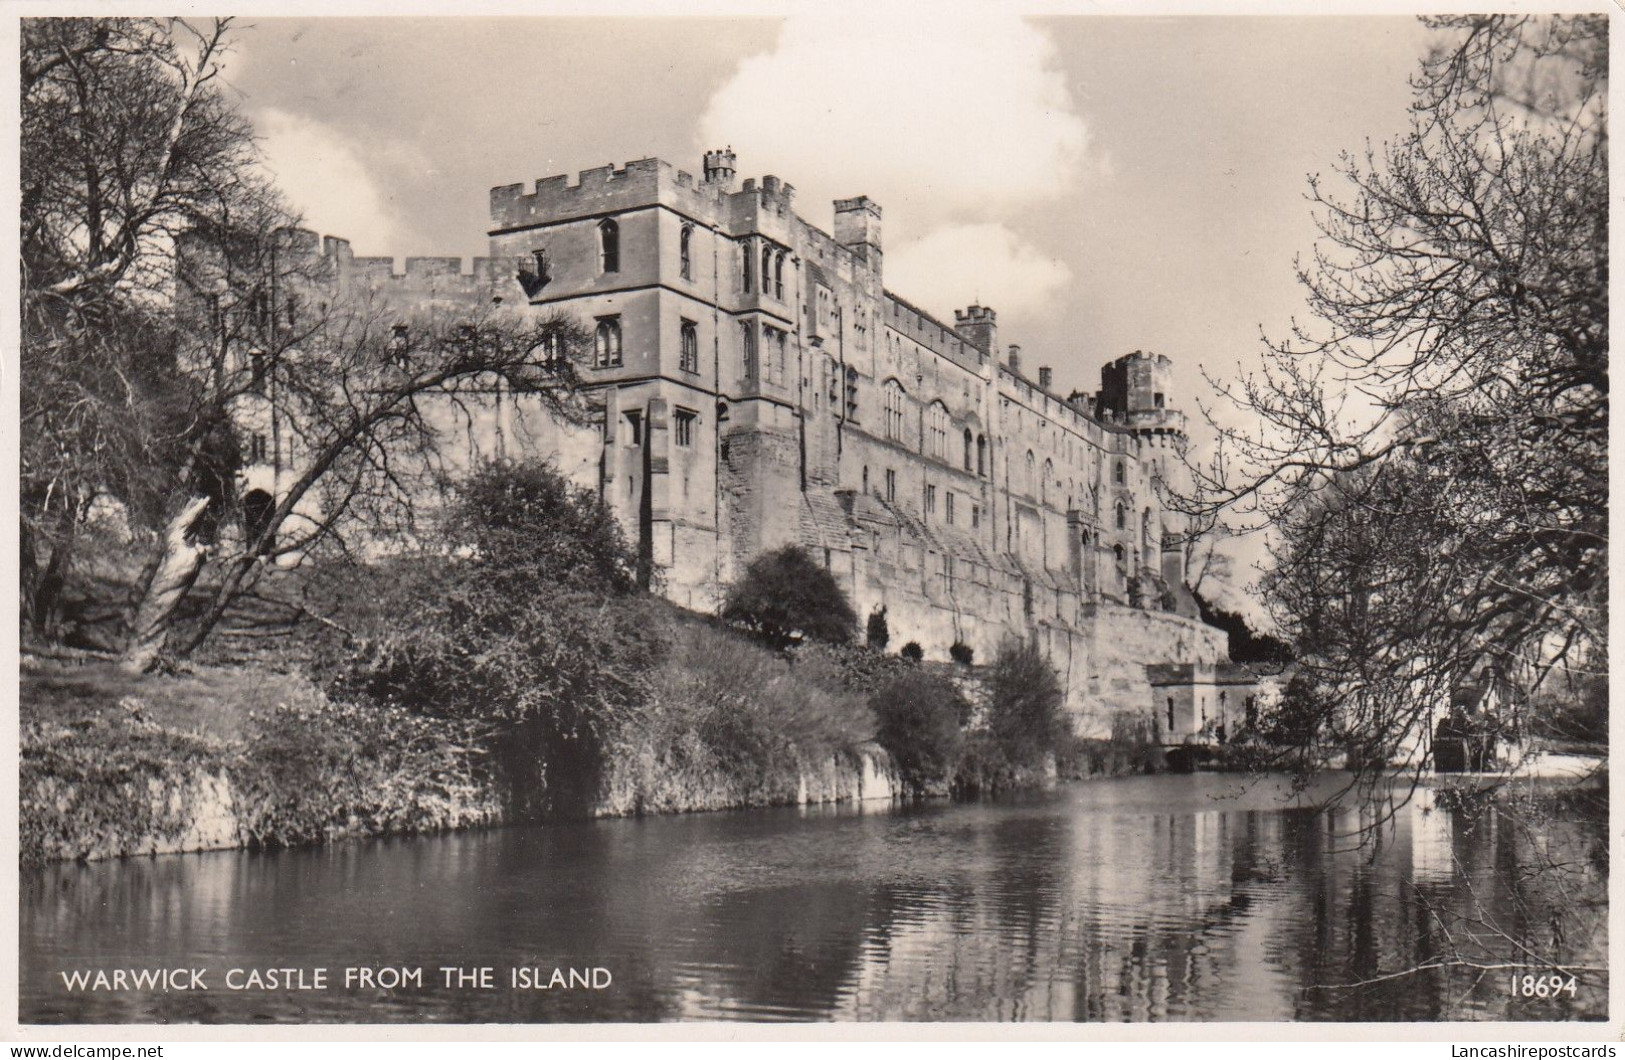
<point x="1107" y="184"/>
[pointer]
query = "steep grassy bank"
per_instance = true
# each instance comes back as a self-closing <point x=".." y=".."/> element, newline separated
<point x="248" y="757"/>
<point x="226" y="758"/>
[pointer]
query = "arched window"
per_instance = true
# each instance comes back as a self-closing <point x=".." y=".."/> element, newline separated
<point x="937" y="430"/>
<point x="1032" y="473"/>
<point x="1117" y="473"/>
<point x="609" y="246"/>
<point x="690" y="360"/>
<point x="1043" y="483"/>
<point x="607" y="343"/>
<point x="684" y="246"/>
<point x="778" y="276"/>
<point x="968" y="447"/>
<point x="894" y="409"/>
<point x="1122" y="516"/>
<point x="767" y="268"/>
<point x="747" y="264"/>
<point x="747" y="347"/>
<point x="981" y="454"/>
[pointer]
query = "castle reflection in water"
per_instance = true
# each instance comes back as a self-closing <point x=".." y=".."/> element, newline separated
<point x="1146" y="899"/>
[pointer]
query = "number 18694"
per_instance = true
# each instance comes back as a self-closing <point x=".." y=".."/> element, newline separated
<point x="1543" y="985"/>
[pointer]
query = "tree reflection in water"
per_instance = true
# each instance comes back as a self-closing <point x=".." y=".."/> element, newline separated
<point x="1143" y="899"/>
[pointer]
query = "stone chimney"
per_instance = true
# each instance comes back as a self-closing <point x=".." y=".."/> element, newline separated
<point x="1044" y="378"/>
<point x="1015" y="358"/>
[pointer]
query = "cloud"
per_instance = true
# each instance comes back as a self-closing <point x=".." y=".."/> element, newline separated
<point x="935" y="118"/>
<point x="987" y="263"/>
<point x="323" y="175"/>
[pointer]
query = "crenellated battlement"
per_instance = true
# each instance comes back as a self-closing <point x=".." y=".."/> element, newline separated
<point x="642" y="182"/>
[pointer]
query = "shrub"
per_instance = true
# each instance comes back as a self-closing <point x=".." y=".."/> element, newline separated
<point x="921" y="717"/>
<point x="877" y="633"/>
<point x="784" y="597"/>
<point x="1025" y="718"/>
<point x="522" y="618"/>
<point x="961" y="653"/>
<point x="912" y="651"/>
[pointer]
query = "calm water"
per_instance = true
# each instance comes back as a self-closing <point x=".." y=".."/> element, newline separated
<point x="1150" y="898"/>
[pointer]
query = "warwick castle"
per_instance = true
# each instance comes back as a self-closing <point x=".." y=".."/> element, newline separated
<point x="760" y="386"/>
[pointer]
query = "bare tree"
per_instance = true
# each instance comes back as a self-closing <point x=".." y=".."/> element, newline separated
<point x="1431" y="454"/>
<point x="370" y="405"/>
<point x="127" y="142"/>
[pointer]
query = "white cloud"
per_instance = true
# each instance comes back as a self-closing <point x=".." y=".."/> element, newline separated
<point x="987" y="263"/>
<point x="934" y="118"/>
<point x="323" y="176"/>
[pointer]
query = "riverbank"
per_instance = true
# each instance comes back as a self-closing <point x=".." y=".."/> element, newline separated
<point x="246" y="757"/>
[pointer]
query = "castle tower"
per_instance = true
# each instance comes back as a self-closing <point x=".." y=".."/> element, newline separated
<point x="719" y="168"/>
<point x="1136" y="393"/>
<point x="857" y="226"/>
<point x="980" y="327"/>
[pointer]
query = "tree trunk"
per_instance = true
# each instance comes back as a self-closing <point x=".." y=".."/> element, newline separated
<point x="177" y="571"/>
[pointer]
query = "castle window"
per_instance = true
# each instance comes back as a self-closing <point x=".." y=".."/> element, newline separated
<point x="948" y="507"/>
<point x="747" y="265"/>
<point x="778" y="276"/>
<point x="634" y="428"/>
<point x="292" y="305"/>
<point x="551" y="348"/>
<point x="747" y="344"/>
<point x="894" y="410"/>
<point x="937" y="424"/>
<point x="1122" y="516"/>
<point x="689" y="361"/>
<point x="981" y="455"/>
<point x="256" y="449"/>
<point x="767" y="267"/>
<point x="968" y="447"/>
<point x="398" y="344"/>
<point x="975" y="516"/>
<point x="930" y="499"/>
<point x="1170" y="713"/>
<point x="891" y="485"/>
<point x="1117" y="473"/>
<point x="1156" y="399"/>
<point x="257" y="370"/>
<point x="609" y="246"/>
<point x="866" y="479"/>
<point x="684" y="258"/>
<point x="851" y="393"/>
<point x="683" y="427"/>
<point x="1032" y="472"/>
<point x="1043" y="483"/>
<point x="781" y="354"/>
<point x="607" y="343"/>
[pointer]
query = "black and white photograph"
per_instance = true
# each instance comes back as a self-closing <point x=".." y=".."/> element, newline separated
<point x="851" y="514"/>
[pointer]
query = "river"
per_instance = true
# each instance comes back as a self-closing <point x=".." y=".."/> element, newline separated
<point x="1200" y="897"/>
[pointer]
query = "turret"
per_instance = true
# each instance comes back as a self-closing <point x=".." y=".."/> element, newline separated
<point x="719" y="168"/>
<point x="980" y="327"/>
<point x="857" y="227"/>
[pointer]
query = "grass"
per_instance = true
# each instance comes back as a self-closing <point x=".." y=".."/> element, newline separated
<point x="216" y="703"/>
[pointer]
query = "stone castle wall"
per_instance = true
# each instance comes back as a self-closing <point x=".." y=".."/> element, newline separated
<point x="766" y="389"/>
